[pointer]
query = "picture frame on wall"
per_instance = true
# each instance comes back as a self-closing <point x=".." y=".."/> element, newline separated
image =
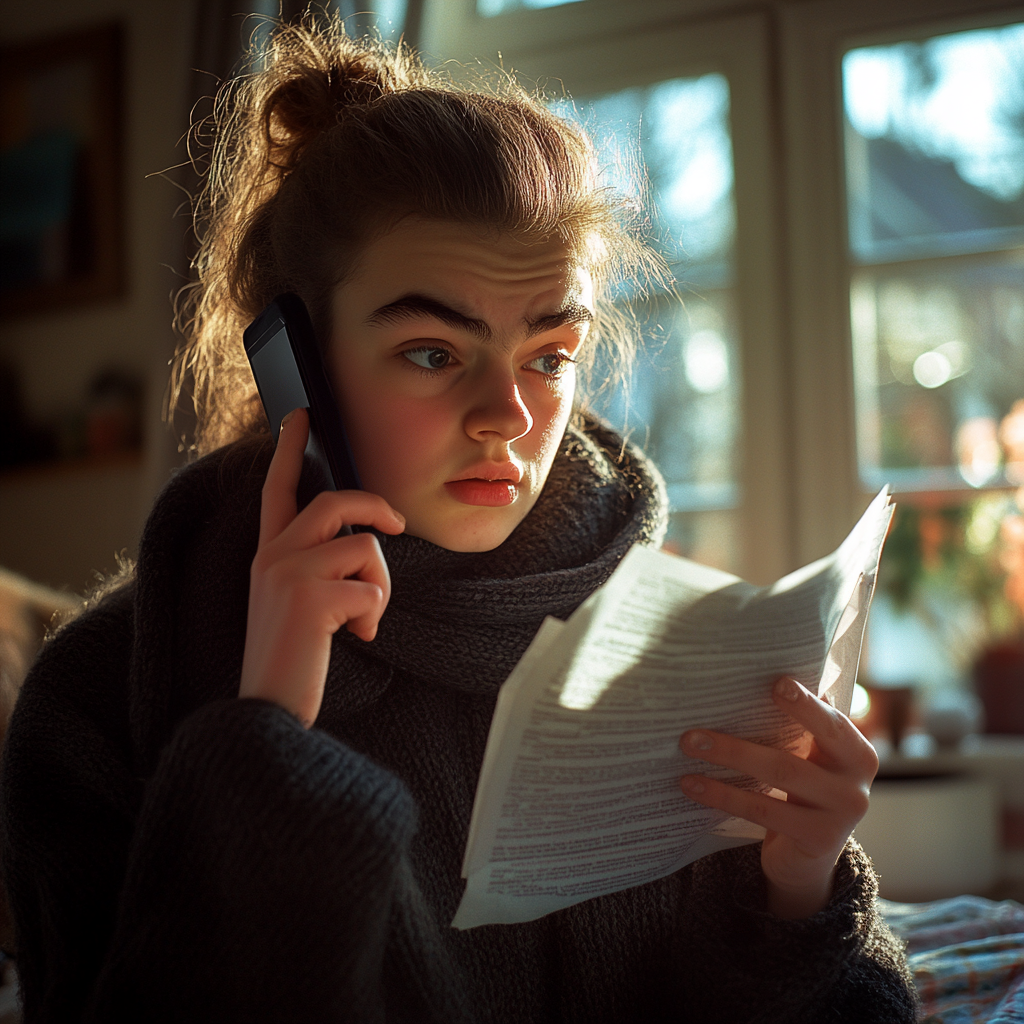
<point x="61" y="144"/>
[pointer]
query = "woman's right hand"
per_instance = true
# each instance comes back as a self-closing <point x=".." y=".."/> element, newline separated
<point x="306" y="582"/>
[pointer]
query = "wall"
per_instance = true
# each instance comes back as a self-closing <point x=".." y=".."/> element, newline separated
<point x="61" y="524"/>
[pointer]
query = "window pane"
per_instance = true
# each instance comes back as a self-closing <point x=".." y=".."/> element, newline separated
<point x="935" y="145"/>
<point x="362" y="17"/>
<point x="682" y="404"/>
<point x="682" y="127"/>
<point x="935" y="177"/>
<point x="939" y="357"/>
<point x="490" y="8"/>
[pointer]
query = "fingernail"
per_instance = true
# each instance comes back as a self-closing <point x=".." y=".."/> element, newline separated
<point x="398" y="515"/>
<point x="691" y="784"/>
<point x="698" y="740"/>
<point x="787" y="689"/>
<point x="287" y="416"/>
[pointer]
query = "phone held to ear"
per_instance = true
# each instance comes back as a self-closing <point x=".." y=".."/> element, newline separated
<point x="290" y="374"/>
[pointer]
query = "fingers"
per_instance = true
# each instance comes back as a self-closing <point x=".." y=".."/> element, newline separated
<point x="779" y="769"/>
<point x="307" y="582"/>
<point x="811" y="829"/>
<point x="354" y="604"/>
<point x="841" y="761"/>
<point x="826" y="792"/>
<point x="288" y="647"/>
<point x="329" y="511"/>
<point x="838" y="740"/>
<point x="277" y="508"/>
<point x="347" y="560"/>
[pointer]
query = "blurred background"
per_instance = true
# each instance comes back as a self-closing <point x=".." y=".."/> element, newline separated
<point x="838" y="186"/>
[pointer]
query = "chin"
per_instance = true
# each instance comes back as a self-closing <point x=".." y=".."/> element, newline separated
<point x="455" y="541"/>
<point x="481" y="544"/>
<point x="467" y="537"/>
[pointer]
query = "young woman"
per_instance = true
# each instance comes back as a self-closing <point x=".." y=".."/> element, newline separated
<point x="238" y="787"/>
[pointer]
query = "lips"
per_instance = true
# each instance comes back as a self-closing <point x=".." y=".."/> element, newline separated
<point x="494" y="493"/>
<point x="507" y="471"/>
<point x="492" y="484"/>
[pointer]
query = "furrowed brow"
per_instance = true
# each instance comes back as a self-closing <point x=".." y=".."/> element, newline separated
<point x="413" y="307"/>
<point x="571" y="313"/>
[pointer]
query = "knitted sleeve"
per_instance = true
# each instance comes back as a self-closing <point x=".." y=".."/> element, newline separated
<point x="738" y="961"/>
<point x="249" y="878"/>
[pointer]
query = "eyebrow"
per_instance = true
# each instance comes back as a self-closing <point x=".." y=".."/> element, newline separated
<point x="413" y="306"/>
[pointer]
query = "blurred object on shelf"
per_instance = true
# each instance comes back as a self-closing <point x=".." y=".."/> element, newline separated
<point x="69" y="435"/>
<point x="113" y="420"/>
<point x="890" y="713"/>
<point x="999" y="682"/>
<point x="106" y="421"/>
<point x="950" y="607"/>
<point x="1011" y="436"/>
<point x="950" y="716"/>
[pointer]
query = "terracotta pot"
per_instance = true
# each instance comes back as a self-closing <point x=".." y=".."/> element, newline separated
<point x="892" y="712"/>
<point x="999" y="683"/>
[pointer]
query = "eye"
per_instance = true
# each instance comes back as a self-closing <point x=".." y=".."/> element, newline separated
<point x="429" y="358"/>
<point x="551" y="364"/>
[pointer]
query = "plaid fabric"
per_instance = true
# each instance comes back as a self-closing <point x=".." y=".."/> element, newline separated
<point x="967" y="956"/>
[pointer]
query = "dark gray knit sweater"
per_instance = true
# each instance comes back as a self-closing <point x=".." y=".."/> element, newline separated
<point x="173" y="853"/>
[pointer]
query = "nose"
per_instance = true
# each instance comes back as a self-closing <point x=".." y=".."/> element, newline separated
<point x="498" y="410"/>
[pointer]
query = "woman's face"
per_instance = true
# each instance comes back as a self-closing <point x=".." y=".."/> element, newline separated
<point x="451" y="356"/>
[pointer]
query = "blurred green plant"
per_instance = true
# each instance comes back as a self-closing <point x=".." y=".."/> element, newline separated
<point x="953" y="553"/>
<point x="973" y="551"/>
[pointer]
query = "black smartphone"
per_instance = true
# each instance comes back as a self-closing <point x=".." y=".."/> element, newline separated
<point x="290" y="374"/>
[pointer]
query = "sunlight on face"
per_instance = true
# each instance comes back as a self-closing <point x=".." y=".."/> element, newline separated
<point x="452" y="359"/>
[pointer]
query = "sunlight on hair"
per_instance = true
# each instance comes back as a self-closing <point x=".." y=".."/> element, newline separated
<point x="325" y="139"/>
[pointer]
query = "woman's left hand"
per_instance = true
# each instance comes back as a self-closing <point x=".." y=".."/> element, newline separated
<point x="826" y="795"/>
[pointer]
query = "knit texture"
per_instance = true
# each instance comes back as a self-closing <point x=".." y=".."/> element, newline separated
<point x="174" y="853"/>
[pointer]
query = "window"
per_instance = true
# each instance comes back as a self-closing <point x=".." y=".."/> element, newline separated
<point x="934" y="147"/>
<point x="682" y="404"/>
<point x="935" y="186"/>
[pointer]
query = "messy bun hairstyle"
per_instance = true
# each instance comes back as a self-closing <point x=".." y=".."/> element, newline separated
<point x="326" y="143"/>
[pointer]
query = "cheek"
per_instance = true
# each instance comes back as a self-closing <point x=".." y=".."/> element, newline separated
<point x="551" y="412"/>
<point x="397" y="440"/>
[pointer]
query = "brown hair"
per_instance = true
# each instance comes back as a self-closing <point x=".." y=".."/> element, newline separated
<point x="327" y="142"/>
